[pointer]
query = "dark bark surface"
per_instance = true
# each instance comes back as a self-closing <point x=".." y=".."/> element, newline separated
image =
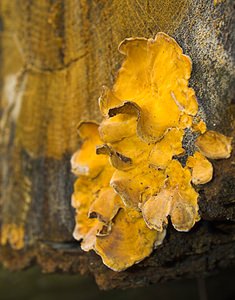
<point x="55" y="57"/>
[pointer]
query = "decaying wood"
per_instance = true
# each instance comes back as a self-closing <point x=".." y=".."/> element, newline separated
<point x="55" y="56"/>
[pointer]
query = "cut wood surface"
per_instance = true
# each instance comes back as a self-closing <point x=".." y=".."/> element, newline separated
<point x="55" y="57"/>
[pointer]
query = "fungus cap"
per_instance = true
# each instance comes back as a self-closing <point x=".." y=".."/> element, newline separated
<point x="84" y="161"/>
<point x="154" y="78"/>
<point x="202" y="169"/>
<point x="214" y="145"/>
<point x="133" y="241"/>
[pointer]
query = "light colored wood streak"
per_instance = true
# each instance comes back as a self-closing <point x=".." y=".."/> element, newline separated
<point x="69" y="51"/>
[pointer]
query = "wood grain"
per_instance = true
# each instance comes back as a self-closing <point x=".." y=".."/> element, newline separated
<point x="55" y="57"/>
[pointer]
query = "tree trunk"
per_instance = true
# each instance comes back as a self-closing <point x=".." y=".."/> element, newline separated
<point x="55" y="57"/>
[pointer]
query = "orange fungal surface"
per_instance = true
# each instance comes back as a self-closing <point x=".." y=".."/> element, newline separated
<point x="131" y="181"/>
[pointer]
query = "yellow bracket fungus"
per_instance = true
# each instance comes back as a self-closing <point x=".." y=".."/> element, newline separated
<point x="214" y="145"/>
<point x="131" y="181"/>
<point x="12" y="234"/>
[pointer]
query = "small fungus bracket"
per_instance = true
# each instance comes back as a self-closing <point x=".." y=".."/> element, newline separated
<point x="130" y="181"/>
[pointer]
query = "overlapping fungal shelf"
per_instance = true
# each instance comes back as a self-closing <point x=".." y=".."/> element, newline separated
<point x="131" y="182"/>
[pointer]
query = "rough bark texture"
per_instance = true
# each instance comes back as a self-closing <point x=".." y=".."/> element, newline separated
<point x="55" y="56"/>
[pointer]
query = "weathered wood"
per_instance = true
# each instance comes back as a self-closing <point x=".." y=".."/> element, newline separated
<point x="55" y="57"/>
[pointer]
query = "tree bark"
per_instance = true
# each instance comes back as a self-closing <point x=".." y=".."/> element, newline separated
<point x="55" y="57"/>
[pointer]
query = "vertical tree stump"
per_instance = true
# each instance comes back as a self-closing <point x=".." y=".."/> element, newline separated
<point x="55" y="56"/>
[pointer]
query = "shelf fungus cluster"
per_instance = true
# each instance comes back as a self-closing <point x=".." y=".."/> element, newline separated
<point x="131" y="182"/>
